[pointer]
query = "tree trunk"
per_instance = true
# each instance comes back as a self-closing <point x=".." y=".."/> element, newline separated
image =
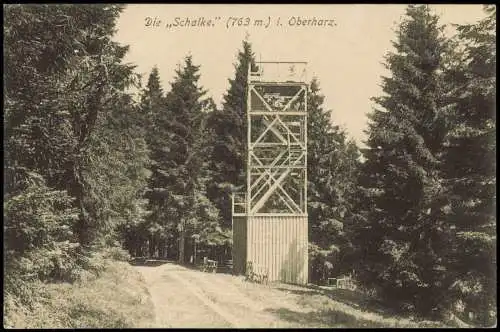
<point x="165" y="249"/>
<point x="194" y="260"/>
<point x="181" y="244"/>
<point x="151" y="247"/>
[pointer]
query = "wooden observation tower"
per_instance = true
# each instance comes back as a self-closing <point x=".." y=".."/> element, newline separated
<point x="270" y="217"/>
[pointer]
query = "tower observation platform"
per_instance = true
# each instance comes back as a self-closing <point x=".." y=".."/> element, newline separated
<point x="270" y="216"/>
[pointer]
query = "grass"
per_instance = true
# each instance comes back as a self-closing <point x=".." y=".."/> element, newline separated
<point x="347" y="309"/>
<point x="117" y="298"/>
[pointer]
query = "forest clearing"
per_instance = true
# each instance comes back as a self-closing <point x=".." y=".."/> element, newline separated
<point x="185" y="297"/>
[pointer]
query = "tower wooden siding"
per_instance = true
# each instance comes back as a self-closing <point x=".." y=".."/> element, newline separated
<point x="279" y="243"/>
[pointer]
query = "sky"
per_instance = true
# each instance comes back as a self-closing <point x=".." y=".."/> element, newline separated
<point x="345" y="52"/>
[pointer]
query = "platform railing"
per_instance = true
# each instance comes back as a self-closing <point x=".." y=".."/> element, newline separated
<point x="283" y="71"/>
<point x="239" y="203"/>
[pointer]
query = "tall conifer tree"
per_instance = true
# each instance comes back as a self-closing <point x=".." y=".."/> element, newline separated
<point x="229" y="125"/>
<point x="402" y="234"/>
<point x="332" y="169"/>
<point x="181" y="166"/>
<point x="469" y="168"/>
<point x="155" y="229"/>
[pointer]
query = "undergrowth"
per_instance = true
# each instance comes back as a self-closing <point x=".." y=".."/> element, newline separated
<point x="110" y="295"/>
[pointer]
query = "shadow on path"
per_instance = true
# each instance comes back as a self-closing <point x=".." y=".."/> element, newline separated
<point x="174" y="266"/>
<point x="351" y="298"/>
<point x="148" y="262"/>
<point x="298" y="291"/>
<point x="322" y="318"/>
<point x="366" y="312"/>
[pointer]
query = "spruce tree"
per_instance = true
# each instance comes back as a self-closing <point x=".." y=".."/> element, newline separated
<point x="152" y="101"/>
<point x="97" y="100"/>
<point x="401" y="233"/>
<point x="469" y="168"/>
<point x="229" y="125"/>
<point x="332" y="166"/>
<point x="119" y="171"/>
<point x="181" y="170"/>
<point x="67" y="129"/>
<point x="157" y="231"/>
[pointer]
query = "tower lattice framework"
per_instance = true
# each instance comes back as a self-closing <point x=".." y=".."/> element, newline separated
<point x="277" y="139"/>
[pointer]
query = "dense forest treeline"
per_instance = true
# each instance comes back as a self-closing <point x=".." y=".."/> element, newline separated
<point x="89" y="169"/>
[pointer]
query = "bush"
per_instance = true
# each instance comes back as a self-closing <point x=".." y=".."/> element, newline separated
<point x="117" y="253"/>
<point x="38" y="240"/>
<point x="320" y="261"/>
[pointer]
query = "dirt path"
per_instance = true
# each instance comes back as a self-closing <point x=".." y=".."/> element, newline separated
<point x="185" y="298"/>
